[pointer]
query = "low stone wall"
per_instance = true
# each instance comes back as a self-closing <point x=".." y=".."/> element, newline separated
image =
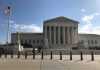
<point x="64" y="52"/>
<point x="74" y="52"/>
<point x="6" y="48"/>
<point x="9" y="49"/>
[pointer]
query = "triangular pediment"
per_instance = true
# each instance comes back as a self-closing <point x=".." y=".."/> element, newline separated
<point x="61" y="19"/>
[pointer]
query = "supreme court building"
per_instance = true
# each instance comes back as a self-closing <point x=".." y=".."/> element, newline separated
<point x="60" y="32"/>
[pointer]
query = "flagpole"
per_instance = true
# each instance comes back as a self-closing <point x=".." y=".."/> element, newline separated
<point x="8" y="26"/>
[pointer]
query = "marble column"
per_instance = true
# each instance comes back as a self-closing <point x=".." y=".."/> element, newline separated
<point x="68" y="35"/>
<point x="64" y="35"/>
<point x="59" y="42"/>
<point x="76" y="34"/>
<point x="73" y="35"/>
<point x="50" y="34"/>
<point x="54" y="34"/>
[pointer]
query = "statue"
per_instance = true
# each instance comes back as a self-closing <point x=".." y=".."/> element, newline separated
<point x="20" y="48"/>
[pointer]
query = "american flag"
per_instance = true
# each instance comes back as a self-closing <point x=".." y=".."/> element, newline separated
<point x="7" y="10"/>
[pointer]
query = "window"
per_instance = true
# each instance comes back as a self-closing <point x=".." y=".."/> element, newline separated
<point x="88" y="42"/>
<point x="92" y="41"/>
<point x="95" y="42"/>
<point x="41" y="41"/>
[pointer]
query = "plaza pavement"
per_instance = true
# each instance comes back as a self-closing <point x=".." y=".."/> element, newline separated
<point x="47" y="64"/>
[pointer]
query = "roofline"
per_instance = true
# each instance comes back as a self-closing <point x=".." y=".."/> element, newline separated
<point x="88" y="34"/>
<point x="59" y="17"/>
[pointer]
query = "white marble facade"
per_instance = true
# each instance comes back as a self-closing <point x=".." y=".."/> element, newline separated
<point x="60" y="32"/>
<point x="88" y="40"/>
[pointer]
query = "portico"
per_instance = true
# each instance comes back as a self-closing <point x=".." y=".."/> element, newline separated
<point x="61" y="31"/>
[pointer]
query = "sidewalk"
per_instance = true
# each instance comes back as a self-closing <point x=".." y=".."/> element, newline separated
<point x="47" y="64"/>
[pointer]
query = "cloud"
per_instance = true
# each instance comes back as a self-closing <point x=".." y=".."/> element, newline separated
<point x="89" y="18"/>
<point x="83" y="10"/>
<point x="6" y="23"/>
<point x="11" y="21"/>
<point x="88" y="27"/>
<point x="85" y="28"/>
<point x="97" y="14"/>
<point x="23" y="27"/>
<point x="27" y="28"/>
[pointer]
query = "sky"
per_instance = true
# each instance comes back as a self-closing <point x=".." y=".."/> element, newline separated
<point x="28" y="15"/>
